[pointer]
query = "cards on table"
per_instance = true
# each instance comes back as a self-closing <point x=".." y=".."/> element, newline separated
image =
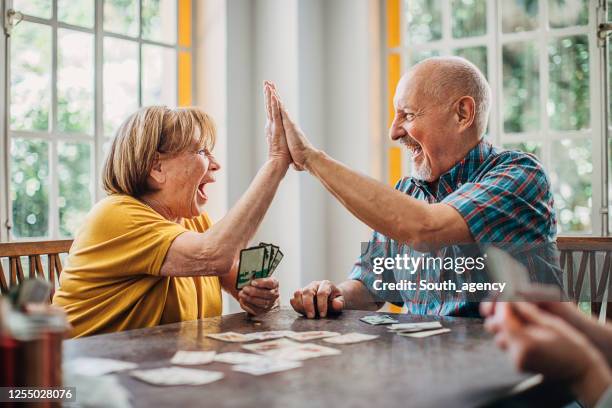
<point x="350" y="338"/>
<point x="312" y="335"/>
<point x="422" y="334"/>
<point x="283" y="349"/>
<point x="231" y="337"/>
<point x="92" y="367"/>
<point x="176" y="376"/>
<point x="193" y="357"/>
<point x="236" y="357"/>
<point x="378" y="319"/>
<point x="257" y="262"/>
<point x="414" y="327"/>
<point x="270" y="335"/>
<point x="266" y="366"/>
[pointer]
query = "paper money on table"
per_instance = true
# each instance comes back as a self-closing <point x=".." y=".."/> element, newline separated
<point x="422" y="334"/>
<point x="193" y="357"/>
<point x="312" y="335"/>
<point x="231" y="337"/>
<point x="378" y="319"/>
<point x="350" y="338"/>
<point x="266" y="367"/>
<point x="176" y="376"/>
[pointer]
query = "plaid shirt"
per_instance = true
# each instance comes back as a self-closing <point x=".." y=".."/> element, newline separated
<point x="504" y="197"/>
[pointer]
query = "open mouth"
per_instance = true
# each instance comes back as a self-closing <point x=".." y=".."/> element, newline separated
<point x="413" y="146"/>
<point x="201" y="192"/>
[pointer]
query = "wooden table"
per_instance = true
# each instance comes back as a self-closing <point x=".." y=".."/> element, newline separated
<point x="462" y="368"/>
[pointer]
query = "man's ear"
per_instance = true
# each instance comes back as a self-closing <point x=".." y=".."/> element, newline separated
<point x="157" y="175"/>
<point x="465" y="112"/>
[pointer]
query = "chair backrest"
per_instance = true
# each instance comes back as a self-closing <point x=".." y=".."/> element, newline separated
<point x="585" y="250"/>
<point x="34" y="251"/>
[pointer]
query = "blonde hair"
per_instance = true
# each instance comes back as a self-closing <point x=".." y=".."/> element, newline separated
<point x="146" y="133"/>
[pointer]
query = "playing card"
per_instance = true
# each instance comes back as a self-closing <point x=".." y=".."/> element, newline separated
<point x="503" y="268"/>
<point x="231" y="337"/>
<point x="267" y="260"/>
<point x="236" y="357"/>
<point x="267" y="367"/>
<point x="302" y="351"/>
<point x="176" y="376"/>
<point x="415" y="326"/>
<point x="270" y="345"/>
<point x="311" y="335"/>
<point x="267" y="271"/>
<point x="350" y="338"/>
<point x="251" y="264"/>
<point x="270" y="335"/>
<point x="378" y="319"/>
<point x="426" y="333"/>
<point x="193" y="357"/>
<point x="277" y="258"/>
<point x="93" y="367"/>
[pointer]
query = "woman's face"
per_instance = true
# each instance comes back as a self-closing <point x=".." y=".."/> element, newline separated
<point x="187" y="176"/>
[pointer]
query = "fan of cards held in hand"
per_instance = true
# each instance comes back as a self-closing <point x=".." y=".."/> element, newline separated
<point x="257" y="262"/>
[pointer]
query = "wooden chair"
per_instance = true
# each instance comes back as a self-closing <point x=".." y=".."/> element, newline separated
<point x="34" y="251"/>
<point x="586" y="250"/>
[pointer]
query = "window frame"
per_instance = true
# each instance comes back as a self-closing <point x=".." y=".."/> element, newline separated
<point x="494" y="39"/>
<point x="53" y="136"/>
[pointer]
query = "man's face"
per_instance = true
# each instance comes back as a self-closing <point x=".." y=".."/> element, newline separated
<point x="422" y="126"/>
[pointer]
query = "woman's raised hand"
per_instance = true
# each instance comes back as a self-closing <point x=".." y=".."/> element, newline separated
<point x="275" y="133"/>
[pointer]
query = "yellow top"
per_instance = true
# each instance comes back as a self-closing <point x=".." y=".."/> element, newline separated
<point x="111" y="281"/>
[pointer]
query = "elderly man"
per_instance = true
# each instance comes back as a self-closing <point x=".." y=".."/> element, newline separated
<point x="462" y="190"/>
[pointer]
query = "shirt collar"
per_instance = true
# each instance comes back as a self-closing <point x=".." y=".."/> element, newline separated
<point x="461" y="171"/>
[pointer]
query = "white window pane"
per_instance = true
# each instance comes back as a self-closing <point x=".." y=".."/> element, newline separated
<point x="476" y="55"/>
<point x="120" y="82"/>
<point x="76" y="12"/>
<point x="568" y="98"/>
<point x="30" y="188"/>
<point x="419" y="56"/>
<point x="75" y="81"/>
<point x="469" y="18"/>
<point x="74" y="177"/>
<point x="571" y="182"/>
<point x="519" y="15"/>
<point x="121" y="16"/>
<point x="30" y="76"/>
<point x="159" y="20"/>
<point x="37" y="8"/>
<point x="521" y="87"/>
<point x="567" y="13"/>
<point x="158" y="75"/>
<point x="423" y="20"/>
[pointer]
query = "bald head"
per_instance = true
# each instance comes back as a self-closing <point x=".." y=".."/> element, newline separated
<point x="441" y="79"/>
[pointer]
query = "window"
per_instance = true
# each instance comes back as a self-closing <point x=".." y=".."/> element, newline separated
<point x="77" y="68"/>
<point x="542" y="61"/>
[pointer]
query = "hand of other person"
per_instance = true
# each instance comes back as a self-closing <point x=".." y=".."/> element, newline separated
<point x="260" y="296"/>
<point x="319" y="296"/>
<point x="540" y="342"/>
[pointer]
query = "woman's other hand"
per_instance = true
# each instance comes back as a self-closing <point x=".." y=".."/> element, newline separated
<point x="260" y="296"/>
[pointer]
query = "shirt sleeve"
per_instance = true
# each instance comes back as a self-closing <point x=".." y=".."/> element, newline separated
<point x="512" y="202"/>
<point x="126" y="238"/>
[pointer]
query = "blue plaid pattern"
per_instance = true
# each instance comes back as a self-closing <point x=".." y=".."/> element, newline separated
<point x="504" y="196"/>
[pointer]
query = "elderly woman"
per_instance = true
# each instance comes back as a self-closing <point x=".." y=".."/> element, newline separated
<point x="148" y="254"/>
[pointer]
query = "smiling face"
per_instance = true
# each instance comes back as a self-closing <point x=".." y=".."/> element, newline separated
<point x="437" y="131"/>
<point x="184" y="180"/>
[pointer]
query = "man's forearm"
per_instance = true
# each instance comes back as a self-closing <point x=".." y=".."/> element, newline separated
<point x="356" y="296"/>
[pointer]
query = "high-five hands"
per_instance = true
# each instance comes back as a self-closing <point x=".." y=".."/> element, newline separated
<point x="277" y="143"/>
<point x="299" y="146"/>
